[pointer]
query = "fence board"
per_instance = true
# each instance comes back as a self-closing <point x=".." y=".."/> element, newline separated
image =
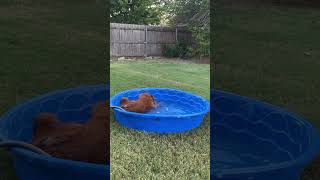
<point x="130" y="39"/>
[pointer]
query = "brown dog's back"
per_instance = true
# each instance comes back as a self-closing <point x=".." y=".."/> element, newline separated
<point x="87" y="142"/>
<point x="145" y="103"/>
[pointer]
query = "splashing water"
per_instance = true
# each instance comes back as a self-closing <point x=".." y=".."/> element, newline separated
<point x="169" y="108"/>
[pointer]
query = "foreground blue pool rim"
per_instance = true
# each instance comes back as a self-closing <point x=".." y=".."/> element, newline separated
<point x="30" y="165"/>
<point x="294" y="166"/>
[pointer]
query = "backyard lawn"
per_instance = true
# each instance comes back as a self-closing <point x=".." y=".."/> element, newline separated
<point x="48" y="45"/>
<point x="271" y="54"/>
<point x="138" y="155"/>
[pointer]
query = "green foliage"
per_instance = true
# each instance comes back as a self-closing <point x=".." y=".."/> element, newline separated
<point x="139" y="12"/>
<point x="202" y="37"/>
<point x="191" y="13"/>
<point x="170" y="50"/>
<point x="181" y="11"/>
<point x="176" y="50"/>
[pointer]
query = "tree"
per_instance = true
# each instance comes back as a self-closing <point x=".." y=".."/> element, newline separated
<point x="195" y="14"/>
<point x="181" y="11"/>
<point x="135" y="12"/>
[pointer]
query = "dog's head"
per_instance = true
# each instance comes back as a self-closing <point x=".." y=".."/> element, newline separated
<point x="124" y="102"/>
<point x="147" y="99"/>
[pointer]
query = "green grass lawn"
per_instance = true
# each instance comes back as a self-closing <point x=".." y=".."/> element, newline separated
<point x="138" y="155"/>
<point x="48" y="45"/>
<point x="271" y="54"/>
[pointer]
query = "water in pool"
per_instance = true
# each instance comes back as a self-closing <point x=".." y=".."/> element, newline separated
<point x="170" y="108"/>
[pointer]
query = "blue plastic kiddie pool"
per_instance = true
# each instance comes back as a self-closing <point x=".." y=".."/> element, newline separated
<point x="252" y="140"/>
<point x="178" y="111"/>
<point x="70" y="105"/>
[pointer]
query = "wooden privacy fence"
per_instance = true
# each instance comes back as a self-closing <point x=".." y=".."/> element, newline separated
<point x="143" y="40"/>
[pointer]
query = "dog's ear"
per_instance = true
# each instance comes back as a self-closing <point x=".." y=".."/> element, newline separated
<point x="155" y="104"/>
<point x="124" y="100"/>
<point x="43" y="122"/>
<point x="152" y="97"/>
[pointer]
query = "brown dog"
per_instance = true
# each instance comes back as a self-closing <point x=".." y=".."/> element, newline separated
<point x="87" y="142"/>
<point x="145" y="103"/>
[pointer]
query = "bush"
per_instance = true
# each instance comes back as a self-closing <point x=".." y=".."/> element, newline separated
<point x="202" y="37"/>
<point x="170" y="50"/>
<point x="201" y="48"/>
<point x="180" y="50"/>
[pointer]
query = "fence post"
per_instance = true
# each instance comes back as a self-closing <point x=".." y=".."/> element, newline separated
<point x="176" y="34"/>
<point x="145" y="40"/>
